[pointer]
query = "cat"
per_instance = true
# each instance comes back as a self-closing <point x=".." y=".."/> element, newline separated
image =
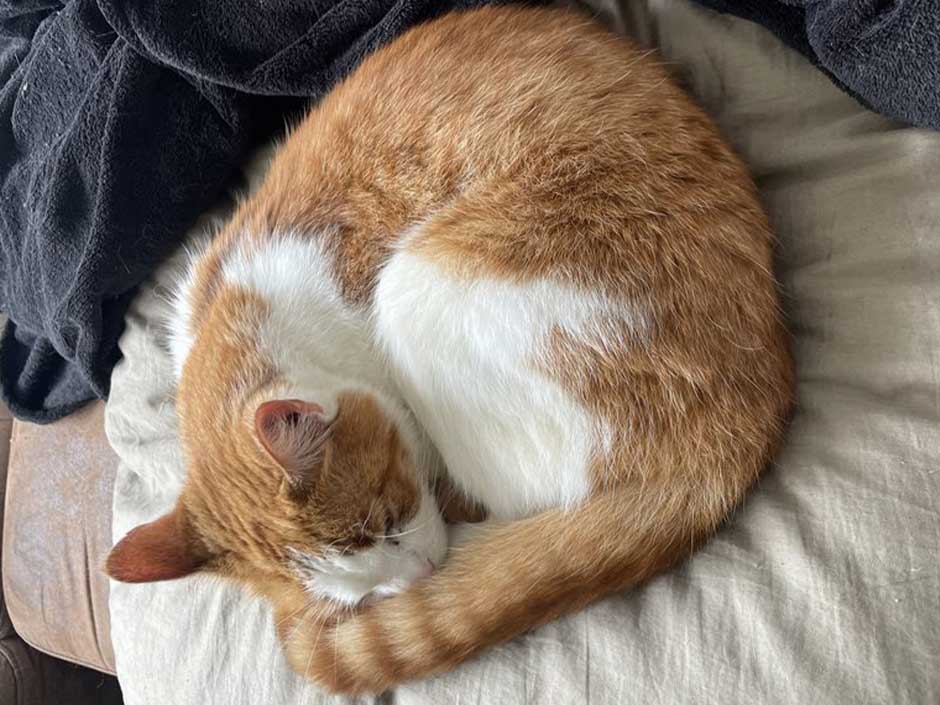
<point x="508" y="238"/>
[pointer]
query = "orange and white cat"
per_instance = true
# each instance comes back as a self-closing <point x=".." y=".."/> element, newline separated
<point x="509" y="238"/>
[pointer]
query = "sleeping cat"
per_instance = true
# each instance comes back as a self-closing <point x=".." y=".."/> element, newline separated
<point x="509" y="238"/>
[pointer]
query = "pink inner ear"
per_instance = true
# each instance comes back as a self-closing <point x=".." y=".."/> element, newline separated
<point x="292" y="431"/>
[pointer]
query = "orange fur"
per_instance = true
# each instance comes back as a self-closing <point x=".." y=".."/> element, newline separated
<point x="527" y="143"/>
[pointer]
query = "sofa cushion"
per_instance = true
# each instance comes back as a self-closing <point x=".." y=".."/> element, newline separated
<point x="57" y="528"/>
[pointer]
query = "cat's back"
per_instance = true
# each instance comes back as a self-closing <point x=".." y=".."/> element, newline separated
<point x="482" y="78"/>
<point x="509" y="115"/>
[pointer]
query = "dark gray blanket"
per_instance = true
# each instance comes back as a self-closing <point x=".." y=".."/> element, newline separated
<point x="120" y="122"/>
<point x="886" y="53"/>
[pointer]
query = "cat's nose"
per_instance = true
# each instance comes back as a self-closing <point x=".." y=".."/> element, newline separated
<point x="428" y="568"/>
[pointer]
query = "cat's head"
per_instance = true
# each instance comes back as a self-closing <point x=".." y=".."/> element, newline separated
<point x="327" y="495"/>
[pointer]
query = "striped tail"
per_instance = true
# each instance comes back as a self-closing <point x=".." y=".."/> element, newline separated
<point x="508" y="579"/>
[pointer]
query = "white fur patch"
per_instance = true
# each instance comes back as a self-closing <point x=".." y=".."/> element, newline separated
<point x="467" y="356"/>
<point x="179" y="325"/>
<point x="317" y="341"/>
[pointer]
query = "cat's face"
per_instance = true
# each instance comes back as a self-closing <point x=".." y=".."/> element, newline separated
<point x="364" y="521"/>
<point x="330" y="501"/>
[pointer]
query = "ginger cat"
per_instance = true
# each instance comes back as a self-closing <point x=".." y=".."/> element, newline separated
<point x="511" y="237"/>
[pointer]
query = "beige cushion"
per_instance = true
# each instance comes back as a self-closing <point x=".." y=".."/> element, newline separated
<point x="56" y="535"/>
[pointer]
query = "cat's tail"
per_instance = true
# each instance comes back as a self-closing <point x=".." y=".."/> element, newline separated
<point x="513" y="577"/>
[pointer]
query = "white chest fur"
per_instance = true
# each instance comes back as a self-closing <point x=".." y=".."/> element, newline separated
<point x="466" y="357"/>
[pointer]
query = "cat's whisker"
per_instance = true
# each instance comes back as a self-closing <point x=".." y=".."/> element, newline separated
<point x="365" y="522"/>
<point x="291" y="615"/>
<point x="409" y="531"/>
<point x="313" y="649"/>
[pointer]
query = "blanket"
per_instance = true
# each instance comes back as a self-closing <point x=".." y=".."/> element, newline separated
<point x="120" y="122"/>
<point x="885" y="54"/>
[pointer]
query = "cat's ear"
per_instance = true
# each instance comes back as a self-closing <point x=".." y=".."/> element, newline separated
<point x="160" y="550"/>
<point x="294" y="434"/>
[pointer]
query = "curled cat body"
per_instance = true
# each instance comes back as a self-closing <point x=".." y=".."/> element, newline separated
<point x="508" y="238"/>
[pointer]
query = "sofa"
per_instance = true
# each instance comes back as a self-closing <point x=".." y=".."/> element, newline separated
<point x="825" y="587"/>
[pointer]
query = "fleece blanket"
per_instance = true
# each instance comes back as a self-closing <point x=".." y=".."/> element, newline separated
<point x="120" y="122"/>
<point x="886" y="54"/>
